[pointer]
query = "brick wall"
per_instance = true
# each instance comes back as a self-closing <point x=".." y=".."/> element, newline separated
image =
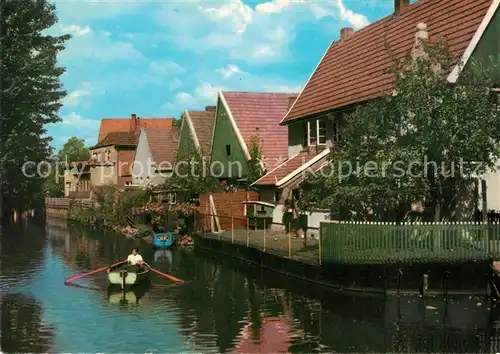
<point x="126" y="159"/>
<point x="229" y="208"/>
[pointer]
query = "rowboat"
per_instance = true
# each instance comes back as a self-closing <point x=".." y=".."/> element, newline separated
<point x="128" y="275"/>
<point x="163" y="240"/>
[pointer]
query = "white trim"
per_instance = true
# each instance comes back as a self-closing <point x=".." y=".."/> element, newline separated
<point x="212" y="206"/>
<point x="307" y="82"/>
<point x="454" y="74"/>
<point x="193" y="131"/>
<point x="235" y="126"/>
<point x="303" y="167"/>
<point x="259" y="203"/>
<point x="274" y="169"/>
<point x="215" y="125"/>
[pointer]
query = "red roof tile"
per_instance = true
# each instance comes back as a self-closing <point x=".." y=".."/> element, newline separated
<point x="203" y="124"/>
<point x="289" y="167"/>
<point x="118" y="139"/>
<point x="163" y="145"/>
<point x="259" y="114"/>
<point x="355" y="70"/>
<point x="109" y="125"/>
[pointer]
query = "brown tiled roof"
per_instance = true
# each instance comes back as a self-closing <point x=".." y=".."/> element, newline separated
<point x="118" y="139"/>
<point x="355" y="70"/>
<point x="203" y="124"/>
<point x="259" y="114"/>
<point x="109" y="125"/>
<point x="163" y="145"/>
<point x="289" y="167"/>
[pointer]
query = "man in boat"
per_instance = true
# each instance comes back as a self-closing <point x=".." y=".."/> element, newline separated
<point x="135" y="258"/>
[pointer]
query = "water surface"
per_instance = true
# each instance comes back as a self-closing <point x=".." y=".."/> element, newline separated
<point x="223" y="306"/>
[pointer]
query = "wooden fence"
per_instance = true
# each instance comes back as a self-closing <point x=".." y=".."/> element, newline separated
<point x="378" y="243"/>
<point x="59" y="207"/>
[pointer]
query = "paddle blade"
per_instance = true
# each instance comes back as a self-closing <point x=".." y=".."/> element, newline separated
<point x="78" y="276"/>
<point x="165" y="275"/>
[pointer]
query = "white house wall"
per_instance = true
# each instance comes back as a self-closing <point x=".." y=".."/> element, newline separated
<point x="492" y="191"/>
<point x="142" y="172"/>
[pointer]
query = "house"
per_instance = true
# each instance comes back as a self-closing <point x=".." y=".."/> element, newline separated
<point x="113" y="155"/>
<point x="77" y="182"/>
<point x="240" y="118"/>
<point x="196" y="130"/>
<point x="112" y="159"/>
<point x="155" y="156"/>
<point x="354" y="70"/>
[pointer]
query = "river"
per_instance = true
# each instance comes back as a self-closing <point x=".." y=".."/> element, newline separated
<point x="223" y="306"/>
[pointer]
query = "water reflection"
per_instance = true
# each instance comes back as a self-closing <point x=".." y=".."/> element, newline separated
<point x="23" y="329"/>
<point x="222" y="307"/>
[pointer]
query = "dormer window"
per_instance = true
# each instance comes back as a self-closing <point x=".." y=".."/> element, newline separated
<point x="316" y="132"/>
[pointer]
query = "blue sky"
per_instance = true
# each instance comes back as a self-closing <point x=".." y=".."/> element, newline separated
<point x="157" y="58"/>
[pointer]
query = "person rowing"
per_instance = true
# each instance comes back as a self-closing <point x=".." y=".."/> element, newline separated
<point x="134" y="258"/>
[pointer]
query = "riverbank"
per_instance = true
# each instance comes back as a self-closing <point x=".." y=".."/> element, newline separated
<point x="465" y="278"/>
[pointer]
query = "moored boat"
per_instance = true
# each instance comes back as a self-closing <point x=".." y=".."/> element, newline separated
<point x="128" y="275"/>
<point x="163" y="240"/>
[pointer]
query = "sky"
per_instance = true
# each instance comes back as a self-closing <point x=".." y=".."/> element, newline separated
<point x="157" y="58"/>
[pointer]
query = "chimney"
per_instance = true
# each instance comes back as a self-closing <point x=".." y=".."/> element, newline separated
<point x="291" y="101"/>
<point x="346" y="33"/>
<point x="400" y="5"/>
<point x="421" y="36"/>
<point x="210" y="108"/>
<point x="133" y="122"/>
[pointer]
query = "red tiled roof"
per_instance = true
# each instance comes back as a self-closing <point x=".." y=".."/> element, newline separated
<point x="118" y="138"/>
<point x="289" y="167"/>
<point x="109" y="125"/>
<point x="163" y="145"/>
<point x="355" y="70"/>
<point x="203" y="124"/>
<point x="259" y="114"/>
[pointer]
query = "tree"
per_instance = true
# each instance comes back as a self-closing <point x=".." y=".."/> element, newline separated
<point x="74" y="150"/>
<point x="446" y="133"/>
<point x="31" y="98"/>
<point x="255" y="169"/>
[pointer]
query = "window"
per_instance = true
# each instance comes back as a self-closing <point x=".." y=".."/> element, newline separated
<point x="128" y="183"/>
<point x="171" y="198"/>
<point x="94" y="156"/>
<point x="316" y="132"/>
<point x="108" y="155"/>
<point x="228" y="150"/>
<point x="277" y="196"/>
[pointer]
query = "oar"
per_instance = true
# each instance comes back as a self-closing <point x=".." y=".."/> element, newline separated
<point x="78" y="276"/>
<point x="165" y="275"/>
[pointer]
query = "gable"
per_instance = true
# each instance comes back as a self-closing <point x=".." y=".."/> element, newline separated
<point x="222" y="165"/>
<point x="142" y="155"/>
<point x="356" y="70"/>
<point x="186" y="141"/>
<point x="489" y="44"/>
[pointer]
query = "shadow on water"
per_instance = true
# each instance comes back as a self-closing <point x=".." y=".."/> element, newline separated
<point x="23" y="329"/>
<point x="223" y="306"/>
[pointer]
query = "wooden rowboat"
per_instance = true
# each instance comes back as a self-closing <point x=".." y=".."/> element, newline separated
<point x="163" y="240"/>
<point x="128" y="275"/>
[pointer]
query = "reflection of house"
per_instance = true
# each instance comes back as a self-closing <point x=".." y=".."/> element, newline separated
<point x="354" y="70"/>
<point x="155" y="156"/>
<point x="113" y="155"/>
<point x="77" y="182"/>
<point x="240" y="117"/>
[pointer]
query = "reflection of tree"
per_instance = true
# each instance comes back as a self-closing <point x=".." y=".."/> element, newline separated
<point x="22" y="248"/>
<point x="22" y="327"/>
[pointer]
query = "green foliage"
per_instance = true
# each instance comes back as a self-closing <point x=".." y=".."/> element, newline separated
<point x="255" y="164"/>
<point x="74" y="150"/>
<point x="191" y="177"/>
<point x="54" y="183"/>
<point x="31" y="97"/>
<point x="447" y="132"/>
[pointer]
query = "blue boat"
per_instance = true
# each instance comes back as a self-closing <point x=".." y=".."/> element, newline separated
<point x="163" y="240"/>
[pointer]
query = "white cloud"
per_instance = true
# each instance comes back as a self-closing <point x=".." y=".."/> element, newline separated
<point x="76" y="121"/>
<point x="203" y="94"/>
<point x="74" y="98"/>
<point x="175" y="84"/>
<point x="98" y="46"/>
<point x="166" y="68"/>
<point x="84" y="10"/>
<point x="235" y="30"/>
<point x="355" y="19"/>
<point x="229" y="71"/>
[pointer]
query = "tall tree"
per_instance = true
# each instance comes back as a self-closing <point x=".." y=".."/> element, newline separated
<point x="31" y="97"/>
<point x="424" y="142"/>
<point x="74" y="150"/>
